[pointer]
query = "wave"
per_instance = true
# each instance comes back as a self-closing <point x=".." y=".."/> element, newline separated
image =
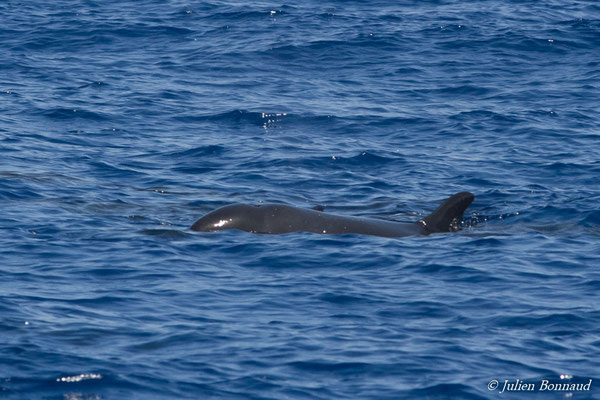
<point x="275" y="119"/>
<point x="59" y="113"/>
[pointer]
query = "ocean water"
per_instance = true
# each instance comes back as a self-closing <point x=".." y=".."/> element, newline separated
<point x="122" y="122"/>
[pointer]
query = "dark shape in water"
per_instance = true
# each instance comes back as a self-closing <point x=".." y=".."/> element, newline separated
<point x="279" y="218"/>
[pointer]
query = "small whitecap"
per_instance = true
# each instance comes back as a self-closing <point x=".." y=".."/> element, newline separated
<point x="79" y="378"/>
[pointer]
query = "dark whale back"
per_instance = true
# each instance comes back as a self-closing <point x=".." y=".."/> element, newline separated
<point x="279" y="218"/>
<point x="446" y="218"/>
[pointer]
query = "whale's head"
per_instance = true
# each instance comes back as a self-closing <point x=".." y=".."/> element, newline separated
<point x="236" y="216"/>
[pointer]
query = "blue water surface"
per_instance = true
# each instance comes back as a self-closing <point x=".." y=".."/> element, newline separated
<point x="122" y="122"/>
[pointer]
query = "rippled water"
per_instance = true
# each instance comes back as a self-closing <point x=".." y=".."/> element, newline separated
<point x="121" y="123"/>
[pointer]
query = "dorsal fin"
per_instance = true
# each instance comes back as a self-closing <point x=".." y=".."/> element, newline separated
<point x="319" y="208"/>
<point x="447" y="216"/>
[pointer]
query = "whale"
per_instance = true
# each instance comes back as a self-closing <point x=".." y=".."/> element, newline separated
<point x="281" y="218"/>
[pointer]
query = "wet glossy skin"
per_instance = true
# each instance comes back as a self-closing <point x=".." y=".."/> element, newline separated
<point x="278" y="218"/>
